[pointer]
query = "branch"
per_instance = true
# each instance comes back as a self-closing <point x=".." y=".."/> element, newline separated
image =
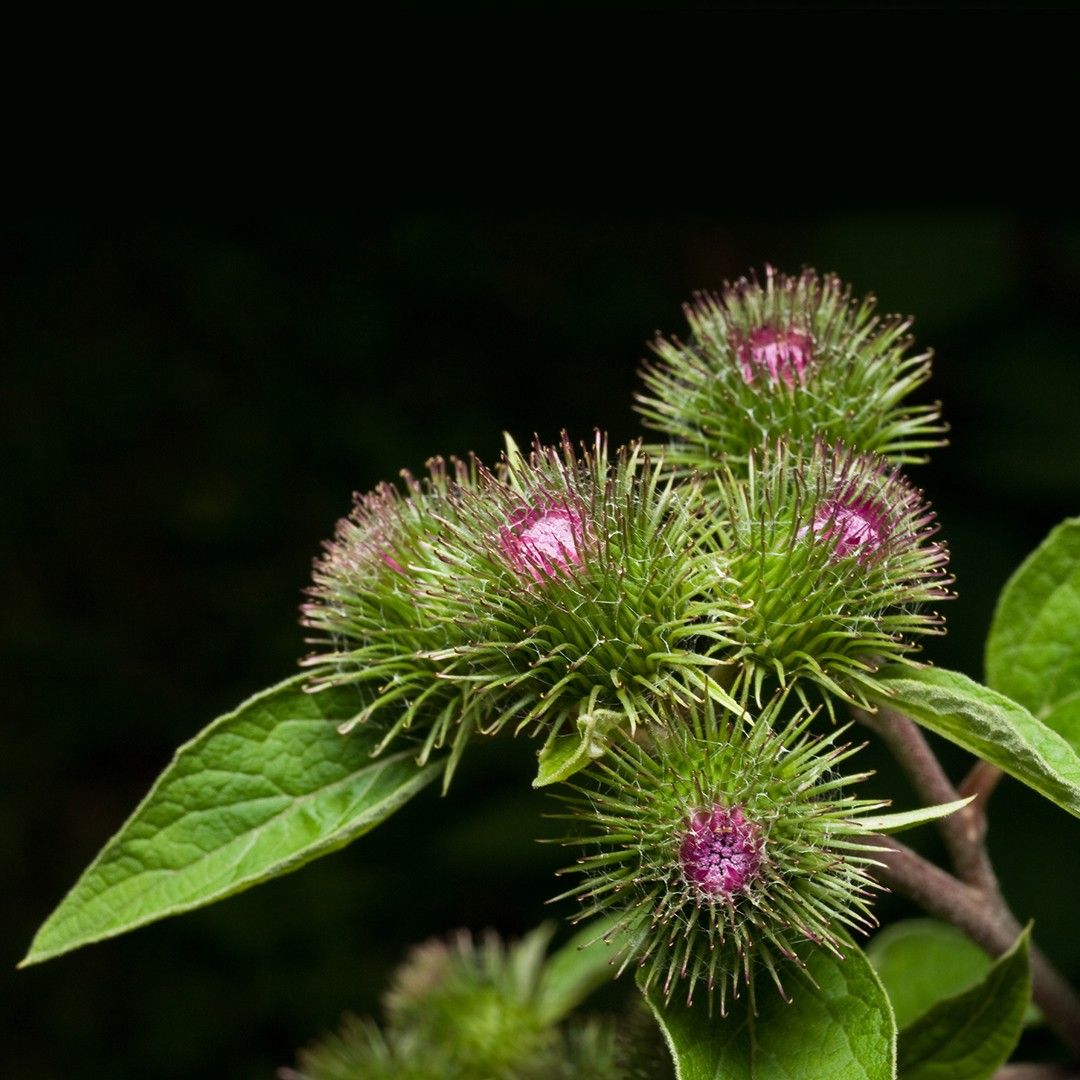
<point x="981" y="782"/>
<point x="1036" y="1071"/>
<point x="987" y="920"/>
<point x="964" y="831"/>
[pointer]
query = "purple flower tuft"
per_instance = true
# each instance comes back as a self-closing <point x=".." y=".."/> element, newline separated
<point x="859" y="526"/>
<point x="721" y="852"/>
<point x="781" y="354"/>
<point x="542" y="541"/>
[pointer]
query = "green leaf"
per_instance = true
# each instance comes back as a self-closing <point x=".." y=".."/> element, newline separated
<point x="842" y="1028"/>
<point x="990" y="725"/>
<point x="258" y="793"/>
<point x="921" y="961"/>
<point x="581" y="966"/>
<point x="969" y="1036"/>
<point x="563" y="755"/>
<point x="1033" y="650"/>
<point x="1064" y="718"/>
<point x="908" y="819"/>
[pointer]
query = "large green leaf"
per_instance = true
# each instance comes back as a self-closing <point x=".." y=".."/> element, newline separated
<point x="841" y="1028"/>
<point x="969" y="1036"/>
<point x="258" y="793"/>
<point x="921" y="961"/>
<point x="990" y="725"/>
<point x="1033" y="651"/>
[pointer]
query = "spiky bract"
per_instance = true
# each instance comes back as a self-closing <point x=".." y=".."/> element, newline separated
<point x="810" y="878"/>
<point x="370" y="602"/>
<point x="833" y="553"/>
<point x="794" y="358"/>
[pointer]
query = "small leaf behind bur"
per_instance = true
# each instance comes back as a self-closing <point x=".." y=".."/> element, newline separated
<point x="260" y="792"/>
<point x="841" y="1028"/>
<point x="990" y="725"/>
<point x="922" y="961"/>
<point x="1033" y="650"/>
<point x="908" y="819"/>
<point x="564" y="755"/>
<point x="969" y="1036"/>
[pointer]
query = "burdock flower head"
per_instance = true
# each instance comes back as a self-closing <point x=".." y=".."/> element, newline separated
<point x="475" y="1009"/>
<point x="585" y="592"/>
<point x="370" y="608"/>
<point x="793" y="358"/>
<point x="833" y="553"/>
<point x="722" y="848"/>
<point x="562" y="591"/>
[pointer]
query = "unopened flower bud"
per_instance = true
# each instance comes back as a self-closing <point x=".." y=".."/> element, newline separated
<point x="793" y="358"/>
<point x="722" y="848"/>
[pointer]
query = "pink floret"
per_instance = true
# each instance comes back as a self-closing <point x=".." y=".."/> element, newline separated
<point x="722" y="852"/>
<point x="859" y="527"/>
<point x="781" y="354"/>
<point x="542" y="542"/>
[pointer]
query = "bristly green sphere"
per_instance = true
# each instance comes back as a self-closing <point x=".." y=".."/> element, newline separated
<point x="477" y="1000"/>
<point x="563" y="587"/>
<point x="833" y="554"/>
<point x="727" y="847"/>
<point x="794" y="358"/>
<point x="586" y="587"/>
<point x="468" y="1009"/>
<point x="368" y="606"/>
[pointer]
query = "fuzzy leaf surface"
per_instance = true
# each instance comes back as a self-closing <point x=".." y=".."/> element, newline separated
<point x="969" y="1036"/>
<point x="1033" y="650"/>
<point x="842" y="1029"/>
<point x="989" y="725"/>
<point x="260" y="792"/>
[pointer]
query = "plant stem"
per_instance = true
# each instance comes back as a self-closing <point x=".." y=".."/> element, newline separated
<point x="963" y="832"/>
<point x="985" y="917"/>
<point x="981" y="782"/>
<point x="1036" y="1071"/>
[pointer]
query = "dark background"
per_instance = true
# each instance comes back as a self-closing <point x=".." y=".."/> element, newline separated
<point x="185" y="411"/>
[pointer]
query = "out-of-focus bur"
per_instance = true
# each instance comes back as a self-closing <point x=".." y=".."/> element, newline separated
<point x="793" y="358"/>
<point x="471" y="1009"/>
<point x="725" y="847"/>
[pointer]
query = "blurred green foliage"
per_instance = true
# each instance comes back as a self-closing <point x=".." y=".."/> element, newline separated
<point x="185" y="410"/>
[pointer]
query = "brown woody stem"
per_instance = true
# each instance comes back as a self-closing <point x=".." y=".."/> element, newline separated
<point x="963" y="832"/>
<point x="987" y="920"/>
<point x="972" y="900"/>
